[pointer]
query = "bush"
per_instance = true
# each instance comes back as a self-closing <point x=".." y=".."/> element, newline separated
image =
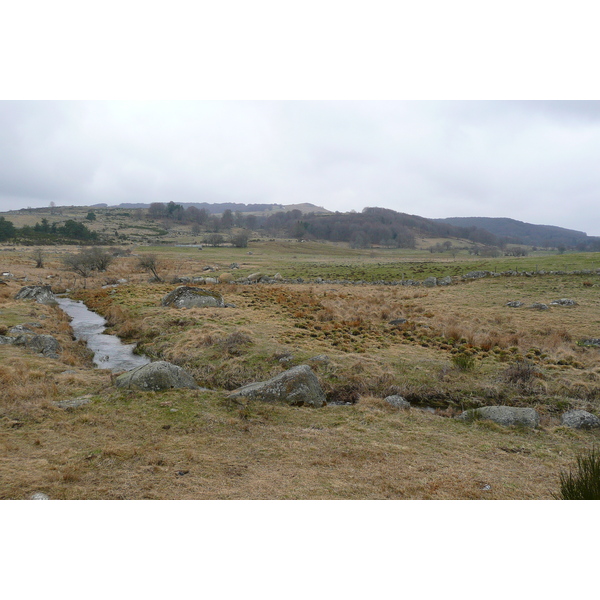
<point x="585" y="483"/>
<point x="522" y="371"/>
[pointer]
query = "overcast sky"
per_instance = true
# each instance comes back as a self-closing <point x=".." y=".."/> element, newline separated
<point x="532" y="161"/>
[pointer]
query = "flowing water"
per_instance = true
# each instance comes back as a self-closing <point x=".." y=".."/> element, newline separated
<point x="109" y="351"/>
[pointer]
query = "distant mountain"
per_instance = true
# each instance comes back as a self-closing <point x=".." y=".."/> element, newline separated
<point x="218" y="208"/>
<point x="518" y="232"/>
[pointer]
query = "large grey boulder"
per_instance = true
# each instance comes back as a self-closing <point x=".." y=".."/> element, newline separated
<point x="40" y="293"/>
<point x="430" y="282"/>
<point x="298" y="386"/>
<point x="156" y="376"/>
<point x="191" y="297"/>
<point x="42" y="344"/>
<point x="580" y="419"/>
<point x="503" y="415"/>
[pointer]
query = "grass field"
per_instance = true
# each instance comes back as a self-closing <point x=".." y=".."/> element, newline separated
<point x="196" y="444"/>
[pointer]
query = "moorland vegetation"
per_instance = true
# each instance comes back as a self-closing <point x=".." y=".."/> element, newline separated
<point x="349" y="313"/>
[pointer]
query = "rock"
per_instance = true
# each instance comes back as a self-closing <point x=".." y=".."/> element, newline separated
<point x="445" y="280"/>
<point x="580" y="419"/>
<point x="255" y="277"/>
<point x="503" y="415"/>
<point x="397" y="322"/>
<point x="74" y="402"/>
<point x="321" y="359"/>
<point x="297" y="386"/>
<point x="234" y="265"/>
<point x="5" y="340"/>
<point x="190" y="297"/>
<point x="43" y="344"/>
<point x="540" y="306"/>
<point x="430" y="282"/>
<point x="564" y="302"/>
<point x="156" y="376"/>
<point x="397" y="401"/>
<point x="39" y="496"/>
<point x="211" y="280"/>
<point x="277" y="277"/>
<point x="594" y="342"/>
<point x="18" y="329"/>
<point x="515" y="303"/>
<point x="40" y="293"/>
<point x="476" y="274"/>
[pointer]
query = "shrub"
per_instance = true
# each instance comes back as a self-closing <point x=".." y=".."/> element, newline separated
<point x="522" y="371"/>
<point x="584" y="484"/>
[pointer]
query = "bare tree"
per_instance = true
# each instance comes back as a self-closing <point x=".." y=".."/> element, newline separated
<point x="38" y="256"/>
<point x="150" y="263"/>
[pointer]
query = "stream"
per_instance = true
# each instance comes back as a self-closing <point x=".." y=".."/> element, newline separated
<point x="109" y="351"/>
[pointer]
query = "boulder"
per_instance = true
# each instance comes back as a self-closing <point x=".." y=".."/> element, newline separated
<point x="515" y="303"/>
<point x="397" y="321"/>
<point x="40" y="293"/>
<point x="160" y="375"/>
<point x="580" y="419"/>
<point x="445" y="280"/>
<point x="539" y="306"/>
<point x="42" y="344"/>
<point x="255" y="277"/>
<point x="191" y="297"/>
<point x="430" y="282"/>
<point x="476" y="274"/>
<point x="298" y="386"/>
<point x="397" y="401"/>
<point x="503" y="415"/>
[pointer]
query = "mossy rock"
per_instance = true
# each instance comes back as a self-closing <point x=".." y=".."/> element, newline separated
<point x="186" y="296"/>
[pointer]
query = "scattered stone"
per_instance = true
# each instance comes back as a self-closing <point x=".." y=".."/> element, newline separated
<point x="539" y="306"/>
<point x="44" y="344"/>
<point x="74" y="402"/>
<point x="476" y="274"/>
<point x="430" y="282"/>
<point x="564" y="302"/>
<point x="40" y="293"/>
<point x="445" y="280"/>
<point x="503" y="415"/>
<point x="191" y="297"/>
<point x="580" y="419"/>
<point x="234" y="265"/>
<point x="156" y="376"/>
<point x="515" y="303"/>
<point x="39" y="496"/>
<point x="5" y="340"/>
<point x="18" y="329"/>
<point x="595" y="342"/>
<point x="297" y="386"/>
<point x="397" y="322"/>
<point x="397" y="401"/>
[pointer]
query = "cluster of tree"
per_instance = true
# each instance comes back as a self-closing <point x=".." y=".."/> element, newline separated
<point x="46" y="232"/>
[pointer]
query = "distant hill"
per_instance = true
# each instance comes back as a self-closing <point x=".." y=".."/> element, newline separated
<point x="220" y="207"/>
<point x="518" y="232"/>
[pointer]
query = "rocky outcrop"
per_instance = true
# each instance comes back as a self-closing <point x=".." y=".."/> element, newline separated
<point x="580" y="419"/>
<point x="191" y="297"/>
<point x="156" y="376"/>
<point x="298" y="386"/>
<point x="397" y="401"/>
<point x="40" y="293"/>
<point x="503" y="415"/>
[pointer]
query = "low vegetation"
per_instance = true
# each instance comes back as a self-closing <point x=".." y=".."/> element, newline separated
<point x="445" y="349"/>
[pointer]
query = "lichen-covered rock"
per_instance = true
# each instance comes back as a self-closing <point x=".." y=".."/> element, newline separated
<point x="191" y="297"/>
<point x="564" y="302"/>
<point x="156" y="376"/>
<point x="445" y="280"/>
<point x="298" y="386"/>
<point x="503" y="415"/>
<point x="580" y="419"/>
<point x="42" y="344"/>
<point x="476" y="274"/>
<point x="540" y="306"/>
<point x="515" y="303"/>
<point x="397" y="401"/>
<point x="40" y="293"/>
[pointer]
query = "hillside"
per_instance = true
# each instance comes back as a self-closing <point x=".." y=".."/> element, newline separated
<point x="522" y="233"/>
<point x="220" y="207"/>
